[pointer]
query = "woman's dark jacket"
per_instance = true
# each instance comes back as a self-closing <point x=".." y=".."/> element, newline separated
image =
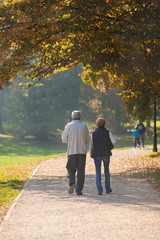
<point x="101" y="143"/>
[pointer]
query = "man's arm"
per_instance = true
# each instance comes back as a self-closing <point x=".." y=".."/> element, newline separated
<point x="65" y="135"/>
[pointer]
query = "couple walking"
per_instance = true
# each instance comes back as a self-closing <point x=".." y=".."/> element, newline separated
<point x="76" y="134"/>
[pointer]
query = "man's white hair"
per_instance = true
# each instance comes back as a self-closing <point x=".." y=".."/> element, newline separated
<point x="76" y="115"/>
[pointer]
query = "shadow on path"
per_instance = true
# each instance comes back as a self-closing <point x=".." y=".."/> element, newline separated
<point x="128" y="189"/>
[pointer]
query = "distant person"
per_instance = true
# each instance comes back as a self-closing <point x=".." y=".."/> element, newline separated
<point x="136" y="135"/>
<point x="142" y="132"/>
<point x="101" y="145"/>
<point x="76" y="134"/>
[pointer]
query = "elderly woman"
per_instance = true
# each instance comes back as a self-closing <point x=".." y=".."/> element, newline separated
<point x="101" y="145"/>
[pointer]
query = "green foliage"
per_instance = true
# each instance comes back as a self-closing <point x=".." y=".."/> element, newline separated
<point x="139" y="107"/>
<point x="95" y="103"/>
<point x="41" y="112"/>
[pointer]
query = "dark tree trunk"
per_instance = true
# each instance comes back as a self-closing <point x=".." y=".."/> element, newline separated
<point x="1" y="127"/>
<point x="148" y="123"/>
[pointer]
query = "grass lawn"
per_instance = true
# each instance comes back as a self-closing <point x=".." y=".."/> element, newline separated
<point x="14" y="152"/>
<point x="18" y="159"/>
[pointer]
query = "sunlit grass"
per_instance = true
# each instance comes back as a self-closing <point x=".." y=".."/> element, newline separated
<point x="157" y="123"/>
<point x="13" y="151"/>
<point x="153" y="154"/>
<point x="12" y="180"/>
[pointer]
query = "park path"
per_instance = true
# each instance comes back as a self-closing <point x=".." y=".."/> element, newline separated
<point x="45" y="211"/>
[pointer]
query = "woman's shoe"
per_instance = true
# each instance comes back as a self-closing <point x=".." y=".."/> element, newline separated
<point x="108" y="191"/>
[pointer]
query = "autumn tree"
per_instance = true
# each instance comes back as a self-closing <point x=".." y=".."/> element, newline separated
<point x="116" y="41"/>
<point x="108" y="104"/>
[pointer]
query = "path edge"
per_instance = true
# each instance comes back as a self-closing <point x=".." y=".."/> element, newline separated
<point x="7" y="216"/>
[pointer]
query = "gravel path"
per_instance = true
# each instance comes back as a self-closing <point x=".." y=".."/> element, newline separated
<point x="45" y="211"/>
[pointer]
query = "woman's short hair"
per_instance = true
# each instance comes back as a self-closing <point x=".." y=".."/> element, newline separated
<point x="100" y="122"/>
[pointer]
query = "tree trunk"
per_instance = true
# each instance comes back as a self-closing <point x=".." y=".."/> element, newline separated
<point x="148" y="123"/>
<point x="1" y="127"/>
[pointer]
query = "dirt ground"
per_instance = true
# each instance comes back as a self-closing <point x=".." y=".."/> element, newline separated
<point x="44" y="209"/>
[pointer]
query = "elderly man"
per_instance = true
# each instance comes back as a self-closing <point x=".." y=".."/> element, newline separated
<point x="76" y="134"/>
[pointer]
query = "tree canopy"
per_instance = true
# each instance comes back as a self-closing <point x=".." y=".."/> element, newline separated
<point x="117" y="42"/>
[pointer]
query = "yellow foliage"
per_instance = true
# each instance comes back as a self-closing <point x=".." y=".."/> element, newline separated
<point x="39" y="84"/>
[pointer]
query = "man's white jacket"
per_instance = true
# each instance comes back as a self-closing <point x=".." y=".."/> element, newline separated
<point x="76" y="134"/>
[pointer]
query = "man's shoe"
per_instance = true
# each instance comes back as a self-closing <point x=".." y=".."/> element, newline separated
<point x="71" y="189"/>
<point x="108" y="191"/>
<point x="80" y="193"/>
